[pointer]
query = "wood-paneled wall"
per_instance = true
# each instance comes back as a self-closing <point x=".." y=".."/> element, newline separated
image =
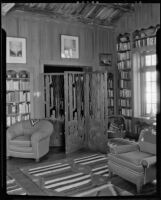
<point x="145" y="15"/>
<point x="43" y="46"/>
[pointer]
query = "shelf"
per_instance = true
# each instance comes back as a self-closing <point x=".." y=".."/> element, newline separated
<point x="18" y="90"/>
<point x="8" y="78"/>
<point x="13" y="102"/>
<point x="17" y="96"/>
<point x="144" y="48"/>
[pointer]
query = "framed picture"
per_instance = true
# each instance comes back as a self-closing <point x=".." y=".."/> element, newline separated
<point x="105" y="59"/>
<point x="16" y="50"/>
<point x="69" y="46"/>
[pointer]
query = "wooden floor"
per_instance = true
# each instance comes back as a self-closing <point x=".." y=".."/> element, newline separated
<point x="14" y="164"/>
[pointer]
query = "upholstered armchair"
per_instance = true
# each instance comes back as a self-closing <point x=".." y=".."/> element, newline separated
<point x="135" y="162"/>
<point x="29" y="139"/>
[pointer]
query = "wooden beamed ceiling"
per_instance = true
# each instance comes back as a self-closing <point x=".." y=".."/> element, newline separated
<point x="101" y="14"/>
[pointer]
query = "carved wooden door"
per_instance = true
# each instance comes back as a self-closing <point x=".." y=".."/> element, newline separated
<point x="86" y="109"/>
<point x="96" y="110"/>
<point x="74" y="111"/>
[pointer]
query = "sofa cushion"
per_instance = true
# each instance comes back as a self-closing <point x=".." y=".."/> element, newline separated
<point x="21" y="141"/>
<point x="131" y="160"/>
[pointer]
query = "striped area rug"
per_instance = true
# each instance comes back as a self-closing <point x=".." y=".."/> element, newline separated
<point x="13" y="188"/>
<point x="76" y="177"/>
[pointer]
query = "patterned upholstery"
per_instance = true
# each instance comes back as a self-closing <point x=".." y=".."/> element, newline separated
<point x="138" y="163"/>
<point x="116" y="126"/>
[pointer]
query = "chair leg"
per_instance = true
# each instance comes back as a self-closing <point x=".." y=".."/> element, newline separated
<point x="138" y="187"/>
<point x="110" y="173"/>
<point x="37" y="159"/>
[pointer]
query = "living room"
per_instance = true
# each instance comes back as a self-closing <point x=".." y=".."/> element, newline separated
<point x="81" y="98"/>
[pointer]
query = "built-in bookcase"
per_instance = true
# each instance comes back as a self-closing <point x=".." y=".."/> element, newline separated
<point x="17" y="96"/>
<point x="124" y="78"/>
<point x="128" y="43"/>
<point x="110" y="87"/>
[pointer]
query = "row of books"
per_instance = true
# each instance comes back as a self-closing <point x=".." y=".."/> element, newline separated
<point x="17" y="85"/>
<point x="110" y="102"/>
<point x="125" y="75"/>
<point x="123" y="56"/>
<point x="125" y="102"/>
<point x="110" y="93"/>
<point x="124" y="84"/>
<point x="17" y="96"/>
<point x="110" y="83"/>
<point x="144" y="42"/>
<point x="18" y="108"/>
<point x="126" y="64"/>
<point x="126" y="112"/>
<point x="125" y="93"/>
<point x="123" y="46"/>
<point x="24" y="108"/>
<point x="13" y="119"/>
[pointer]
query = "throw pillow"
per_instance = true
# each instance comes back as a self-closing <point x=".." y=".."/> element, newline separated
<point x="34" y="121"/>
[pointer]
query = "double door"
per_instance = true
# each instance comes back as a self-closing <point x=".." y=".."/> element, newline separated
<point x="85" y="107"/>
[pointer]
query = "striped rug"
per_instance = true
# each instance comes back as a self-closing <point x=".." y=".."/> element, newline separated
<point x="13" y="188"/>
<point x="76" y="177"/>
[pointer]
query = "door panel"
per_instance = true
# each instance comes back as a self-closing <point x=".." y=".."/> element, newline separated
<point x="74" y="111"/>
<point x="86" y="110"/>
<point x="97" y="117"/>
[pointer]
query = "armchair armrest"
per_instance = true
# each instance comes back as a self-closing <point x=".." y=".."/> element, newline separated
<point x="11" y="134"/>
<point x="147" y="162"/>
<point x="124" y="148"/>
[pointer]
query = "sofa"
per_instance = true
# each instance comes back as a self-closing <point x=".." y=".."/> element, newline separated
<point x="29" y="139"/>
<point x="135" y="162"/>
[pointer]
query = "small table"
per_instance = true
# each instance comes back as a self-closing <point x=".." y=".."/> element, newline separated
<point x="117" y="142"/>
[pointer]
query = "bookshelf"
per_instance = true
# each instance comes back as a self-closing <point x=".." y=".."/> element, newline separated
<point x="125" y="78"/>
<point x="110" y="91"/>
<point x="17" y="96"/>
<point x="128" y="43"/>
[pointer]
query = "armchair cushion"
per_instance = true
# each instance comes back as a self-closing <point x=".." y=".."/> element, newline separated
<point x="131" y="160"/>
<point x="115" y="158"/>
<point x="21" y="141"/>
<point x="134" y="157"/>
<point x="147" y="162"/>
<point x="124" y="148"/>
<point x="21" y="149"/>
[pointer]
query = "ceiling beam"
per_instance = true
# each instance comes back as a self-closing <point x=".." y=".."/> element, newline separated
<point x="116" y="6"/>
<point x="62" y="17"/>
<point x="6" y="7"/>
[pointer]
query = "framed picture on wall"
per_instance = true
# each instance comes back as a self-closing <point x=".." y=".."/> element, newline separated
<point x="69" y="46"/>
<point x="105" y="59"/>
<point x="16" y="50"/>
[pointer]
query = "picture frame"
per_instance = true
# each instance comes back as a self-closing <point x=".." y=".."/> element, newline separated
<point x="69" y="46"/>
<point x="105" y="59"/>
<point x="16" y="50"/>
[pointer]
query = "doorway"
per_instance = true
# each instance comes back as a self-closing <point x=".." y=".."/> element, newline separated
<point x="54" y="99"/>
<point x="75" y="102"/>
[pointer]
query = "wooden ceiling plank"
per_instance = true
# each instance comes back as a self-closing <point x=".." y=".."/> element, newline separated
<point x="6" y="7"/>
<point x="90" y="11"/>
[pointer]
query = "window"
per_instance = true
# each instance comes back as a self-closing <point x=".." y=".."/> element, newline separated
<point x="148" y="84"/>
